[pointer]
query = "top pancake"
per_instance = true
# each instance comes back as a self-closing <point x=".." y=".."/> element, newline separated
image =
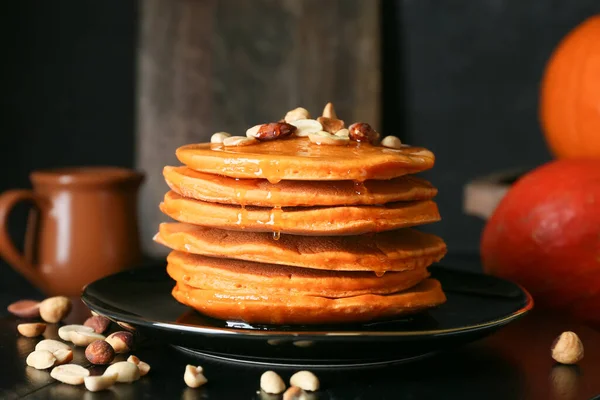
<point x="299" y="159"/>
<point x="260" y="192"/>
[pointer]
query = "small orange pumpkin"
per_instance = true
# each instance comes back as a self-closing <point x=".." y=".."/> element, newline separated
<point x="570" y="94"/>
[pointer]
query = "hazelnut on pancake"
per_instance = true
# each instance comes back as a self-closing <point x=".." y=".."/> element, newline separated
<point x="315" y="221"/>
<point x="398" y="250"/>
<point x="294" y="309"/>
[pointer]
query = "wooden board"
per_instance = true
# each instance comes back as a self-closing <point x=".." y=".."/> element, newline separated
<point x="207" y="65"/>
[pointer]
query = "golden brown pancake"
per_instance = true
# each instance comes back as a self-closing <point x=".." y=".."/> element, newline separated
<point x="315" y="221"/>
<point x="299" y="159"/>
<point x="262" y="193"/>
<point x="296" y="309"/>
<point x="231" y="276"/>
<point x="397" y="250"/>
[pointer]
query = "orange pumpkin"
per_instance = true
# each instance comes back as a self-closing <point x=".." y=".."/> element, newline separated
<point x="570" y="94"/>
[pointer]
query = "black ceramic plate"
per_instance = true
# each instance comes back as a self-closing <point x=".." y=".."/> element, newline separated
<point x="477" y="305"/>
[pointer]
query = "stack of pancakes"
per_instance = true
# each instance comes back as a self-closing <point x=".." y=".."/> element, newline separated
<point x="290" y="232"/>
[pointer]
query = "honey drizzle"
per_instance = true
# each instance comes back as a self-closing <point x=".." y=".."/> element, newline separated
<point x="379" y="273"/>
<point x="360" y="188"/>
<point x="240" y="196"/>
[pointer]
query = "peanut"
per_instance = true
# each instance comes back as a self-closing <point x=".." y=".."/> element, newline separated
<point x="126" y="372"/>
<point x="31" y="330"/>
<point x="25" y="309"/>
<point x="271" y="383"/>
<point x="100" y="382"/>
<point x="54" y="309"/>
<point x="71" y="374"/>
<point x="41" y="359"/>
<point x="194" y="376"/>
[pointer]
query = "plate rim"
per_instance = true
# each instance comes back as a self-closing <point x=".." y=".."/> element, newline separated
<point x="321" y="334"/>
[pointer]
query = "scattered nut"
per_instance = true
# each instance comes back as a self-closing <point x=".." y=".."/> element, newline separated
<point x="305" y="380"/>
<point x="71" y="374"/>
<point x="99" y="382"/>
<point x="98" y="323"/>
<point x="31" y="330"/>
<point x="343" y="133"/>
<point x="194" y="376"/>
<point x="99" y="353"/>
<point x="219" y="137"/>
<point x="143" y="366"/>
<point x="121" y="341"/>
<point x="329" y="111"/>
<point x="252" y="132"/>
<point x="328" y="139"/>
<point x="296" y="114"/>
<point x="54" y="309"/>
<point x="303" y="343"/>
<point x="274" y="130"/>
<point x="126" y="372"/>
<point x="331" y="125"/>
<point x="362" y="132"/>
<point x="63" y="356"/>
<point x="304" y="127"/>
<point x="392" y="142"/>
<point x="65" y="331"/>
<point x="567" y="348"/>
<point x="238" y="141"/>
<point x="271" y="383"/>
<point x="41" y="359"/>
<point x="25" y="309"/>
<point x="295" y="393"/>
<point x="52" y="345"/>
<point x="85" y="338"/>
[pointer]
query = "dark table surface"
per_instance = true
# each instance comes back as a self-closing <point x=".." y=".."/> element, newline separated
<point x="514" y="363"/>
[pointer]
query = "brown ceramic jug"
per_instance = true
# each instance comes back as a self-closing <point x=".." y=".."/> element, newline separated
<point x="83" y="227"/>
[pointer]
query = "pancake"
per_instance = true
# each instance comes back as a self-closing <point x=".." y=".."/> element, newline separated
<point x="260" y="192"/>
<point x="294" y="309"/>
<point x="232" y="276"/>
<point x="299" y="159"/>
<point x="315" y="221"/>
<point x="398" y="250"/>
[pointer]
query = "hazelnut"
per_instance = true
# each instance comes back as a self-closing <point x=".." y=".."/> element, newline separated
<point x="99" y="382"/>
<point x="126" y="372"/>
<point x="275" y="130"/>
<point x="331" y="125"/>
<point x="326" y="138"/>
<point x="54" y="309"/>
<point x="41" y="359"/>
<point x="98" y="323"/>
<point x="25" y="309"/>
<point x="194" y="376"/>
<point x="65" y="331"/>
<point x="71" y="374"/>
<point x="392" y="142"/>
<point x="296" y="114"/>
<point x="31" y="330"/>
<point x="238" y="141"/>
<point x="362" y="132"/>
<point x="121" y="341"/>
<point x="305" y="380"/>
<point x="63" y="356"/>
<point x="219" y="137"/>
<point x="271" y="383"/>
<point x="295" y="393"/>
<point x="567" y="348"/>
<point x="304" y="127"/>
<point x="51" y="345"/>
<point x="329" y="111"/>
<point x="142" y="366"/>
<point x="99" y="353"/>
<point x="85" y="338"/>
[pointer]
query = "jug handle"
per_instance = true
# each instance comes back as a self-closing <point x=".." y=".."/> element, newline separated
<point x="8" y="250"/>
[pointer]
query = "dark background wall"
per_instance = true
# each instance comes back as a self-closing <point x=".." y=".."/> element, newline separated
<point x="459" y="77"/>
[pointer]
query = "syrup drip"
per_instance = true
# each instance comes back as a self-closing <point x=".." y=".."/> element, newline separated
<point x="379" y="274"/>
<point x="360" y="188"/>
<point x="242" y="216"/>
<point x="276" y="235"/>
<point x="275" y="220"/>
